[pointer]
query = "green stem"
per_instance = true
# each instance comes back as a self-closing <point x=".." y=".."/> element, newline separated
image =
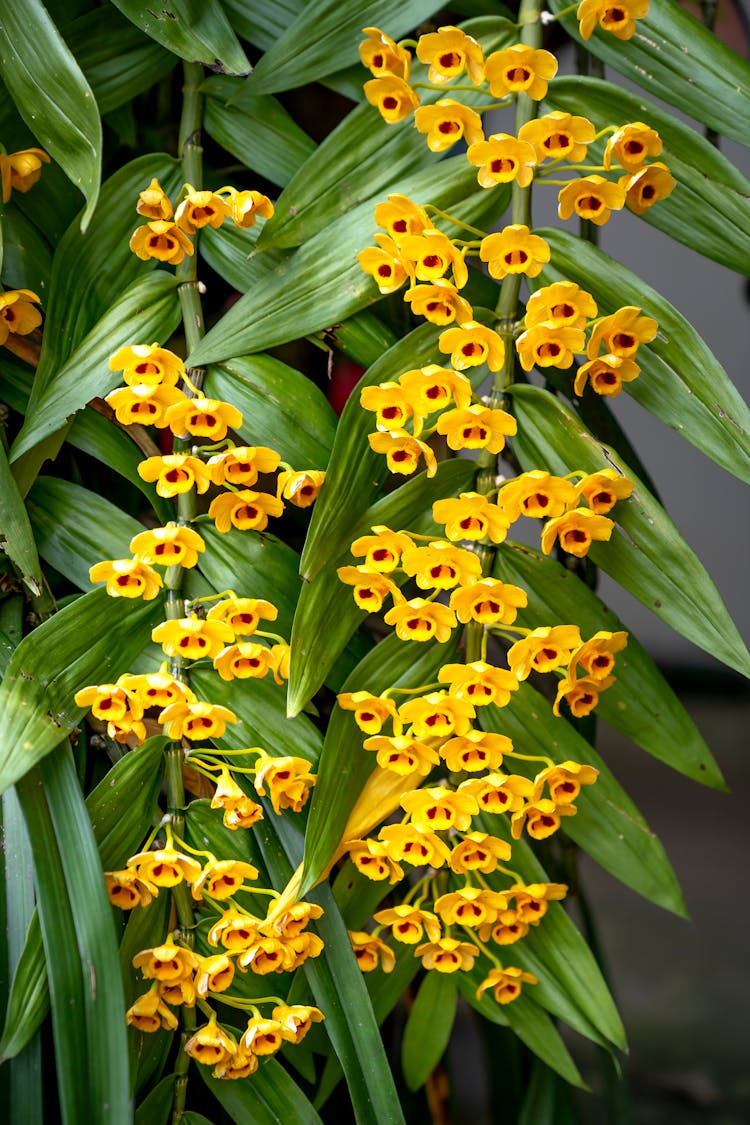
<point x="507" y="312"/>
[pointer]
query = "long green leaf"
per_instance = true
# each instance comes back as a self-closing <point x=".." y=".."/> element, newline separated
<point x="607" y="825"/>
<point x="66" y="984"/>
<point x="271" y="1097"/>
<point x="16" y="536"/>
<point x="26" y="257"/>
<point x="648" y="556"/>
<point x="321" y="282"/>
<point x="682" y="382"/>
<point x="344" y="765"/>
<point x="428" y="1028"/>
<point x="52" y="95"/>
<point x="76" y="528"/>
<point x="121" y="810"/>
<point x="531" y="1023"/>
<point x="339" y="990"/>
<point x="148" y="310"/>
<point x="324" y="38"/>
<point x="260" y="707"/>
<point x="196" y="30"/>
<point x="640" y="703"/>
<point x="709" y="209"/>
<point x="327" y="614"/>
<point x="262" y="24"/>
<point x="281" y="408"/>
<point x="260" y="132"/>
<point x="91" y="640"/>
<point x="108" y="1084"/>
<point x="674" y="57"/>
<point x="119" y="61"/>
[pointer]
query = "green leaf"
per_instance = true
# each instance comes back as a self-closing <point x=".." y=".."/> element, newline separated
<point x="148" y="310"/>
<point x="640" y="703"/>
<point x="91" y="640"/>
<point x="339" y="990"/>
<point x="80" y="947"/>
<point x="16" y="536"/>
<point x="607" y="825"/>
<point x="546" y="1100"/>
<point x="682" y="383"/>
<point x="674" y="57"/>
<point x="363" y="337"/>
<point x="324" y="38"/>
<point x="281" y="408"/>
<point x="156" y="1109"/>
<point x="26" y="257"/>
<point x="271" y="1098"/>
<point x="344" y="765"/>
<point x="260" y="132"/>
<point x="66" y="984"/>
<point x="28" y="1001"/>
<point x="108" y="1080"/>
<point x="428" y="1028"/>
<point x="75" y="528"/>
<point x="52" y="95"/>
<point x="709" y="209"/>
<point x="327" y="614"/>
<point x="260" y="708"/>
<point x="530" y="1023"/>
<point x="255" y="566"/>
<point x="121" y="810"/>
<point x="121" y="807"/>
<point x="355" y="472"/>
<point x="195" y="30"/>
<point x="119" y="63"/>
<point x="115" y="446"/>
<point x="648" y="556"/>
<point x="262" y="25"/>
<point x="322" y="282"/>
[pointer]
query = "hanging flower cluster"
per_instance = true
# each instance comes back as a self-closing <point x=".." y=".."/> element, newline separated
<point x="165" y="236"/>
<point x="222" y="631"/>
<point x="554" y="137"/>
<point x="555" y="326"/>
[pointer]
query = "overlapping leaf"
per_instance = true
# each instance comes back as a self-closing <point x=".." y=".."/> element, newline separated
<point x="674" y="57"/>
<point x="281" y="408"/>
<point x="682" y="382"/>
<point x="52" y="95"/>
<point x="260" y="132"/>
<point x="90" y="641"/>
<point x="709" y="209"/>
<point x="646" y="554"/>
<point x="363" y="156"/>
<point x="118" y="60"/>
<point x="324" y="38"/>
<point x="195" y="30"/>
<point x="16" y="537"/>
<point x="640" y="703"/>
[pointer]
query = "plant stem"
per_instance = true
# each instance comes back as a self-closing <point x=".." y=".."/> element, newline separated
<point x="192" y="318"/>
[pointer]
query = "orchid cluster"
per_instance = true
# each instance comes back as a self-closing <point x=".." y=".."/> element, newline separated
<point x="222" y="631"/>
<point x="463" y="900"/>
<point x="553" y="137"/>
